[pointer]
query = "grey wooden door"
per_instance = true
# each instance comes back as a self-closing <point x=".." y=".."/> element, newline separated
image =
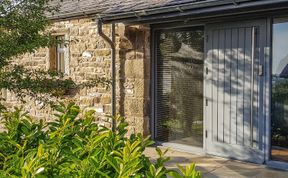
<point x="234" y="57"/>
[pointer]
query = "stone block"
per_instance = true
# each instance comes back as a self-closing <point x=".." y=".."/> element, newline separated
<point x="87" y="102"/>
<point x="107" y="109"/>
<point x="129" y="91"/>
<point x="84" y="20"/>
<point x="83" y="31"/>
<point x="105" y="99"/>
<point x="96" y="100"/>
<point x="120" y="29"/>
<point x="40" y="55"/>
<point x="103" y="52"/>
<point x="99" y="109"/>
<point x="130" y="55"/>
<point x="83" y="92"/>
<point x="74" y="31"/>
<point x="139" y="86"/>
<point x="124" y="43"/>
<point x="134" y="69"/>
<point x="134" y="107"/>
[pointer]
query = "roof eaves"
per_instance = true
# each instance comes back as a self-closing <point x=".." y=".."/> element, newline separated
<point x="108" y="17"/>
<point x="207" y="10"/>
<point x="112" y="13"/>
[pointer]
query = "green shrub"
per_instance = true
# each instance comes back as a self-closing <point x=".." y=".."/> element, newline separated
<point x="74" y="146"/>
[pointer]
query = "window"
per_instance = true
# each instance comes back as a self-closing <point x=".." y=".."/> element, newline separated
<point x="58" y="56"/>
<point x="279" y="114"/>
<point x="179" y="88"/>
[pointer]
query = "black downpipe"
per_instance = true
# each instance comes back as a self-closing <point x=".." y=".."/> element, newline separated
<point x="113" y="64"/>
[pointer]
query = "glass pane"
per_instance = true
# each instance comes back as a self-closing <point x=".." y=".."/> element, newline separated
<point x="279" y="104"/>
<point x="180" y="87"/>
<point x="61" y="63"/>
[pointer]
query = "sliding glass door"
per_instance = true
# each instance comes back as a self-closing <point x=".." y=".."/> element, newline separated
<point x="279" y="115"/>
<point x="179" y="86"/>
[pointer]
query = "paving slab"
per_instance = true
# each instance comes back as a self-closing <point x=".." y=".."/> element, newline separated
<point x="215" y="167"/>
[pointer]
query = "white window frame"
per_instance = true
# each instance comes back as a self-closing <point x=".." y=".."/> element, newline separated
<point x="64" y="50"/>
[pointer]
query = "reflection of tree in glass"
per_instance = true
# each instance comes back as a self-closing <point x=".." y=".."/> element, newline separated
<point x="191" y="38"/>
<point x="280" y="112"/>
<point x="183" y="83"/>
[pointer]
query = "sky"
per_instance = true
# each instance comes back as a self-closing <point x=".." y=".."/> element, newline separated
<point x="280" y="47"/>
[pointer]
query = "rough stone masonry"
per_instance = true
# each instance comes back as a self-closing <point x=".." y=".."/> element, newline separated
<point x="88" y="56"/>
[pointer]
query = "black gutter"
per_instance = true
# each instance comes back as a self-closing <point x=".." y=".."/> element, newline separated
<point x="197" y="9"/>
<point x="181" y="8"/>
<point x="215" y="13"/>
<point x="113" y="66"/>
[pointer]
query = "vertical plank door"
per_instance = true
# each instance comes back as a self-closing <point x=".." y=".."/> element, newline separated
<point x="233" y="88"/>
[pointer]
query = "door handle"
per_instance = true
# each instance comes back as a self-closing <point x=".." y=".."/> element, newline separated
<point x="254" y="35"/>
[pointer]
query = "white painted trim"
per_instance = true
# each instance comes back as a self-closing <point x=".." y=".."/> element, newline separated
<point x="67" y="56"/>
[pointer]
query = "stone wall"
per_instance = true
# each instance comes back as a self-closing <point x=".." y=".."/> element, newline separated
<point x="132" y="64"/>
<point x="134" y="77"/>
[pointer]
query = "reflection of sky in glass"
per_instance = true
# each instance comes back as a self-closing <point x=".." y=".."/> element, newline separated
<point x="280" y="47"/>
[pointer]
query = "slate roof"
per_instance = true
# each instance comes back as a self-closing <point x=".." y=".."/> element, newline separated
<point x="70" y="8"/>
<point x="142" y="11"/>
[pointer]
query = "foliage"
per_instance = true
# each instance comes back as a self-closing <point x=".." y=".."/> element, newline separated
<point x="73" y="146"/>
<point x="278" y="111"/>
<point x="38" y="83"/>
<point x="21" y="24"/>
<point x="23" y="29"/>
<point x="188" y="172"/>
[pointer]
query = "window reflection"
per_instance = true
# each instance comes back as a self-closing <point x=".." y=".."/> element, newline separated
<point x="279" y="105"/>
<point x="60" y="66"/>
<point x="180" y="87"/>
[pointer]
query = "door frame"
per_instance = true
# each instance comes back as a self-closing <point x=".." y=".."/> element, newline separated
<point x="266" y="83"/>
<point x="269" y="16"/>
<point x="268" y="90"/>
<point x="154" y="32"/>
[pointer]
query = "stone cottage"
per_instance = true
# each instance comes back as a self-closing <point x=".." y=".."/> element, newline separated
<point x="87" y="56"/>
<point x="202" y="76"/>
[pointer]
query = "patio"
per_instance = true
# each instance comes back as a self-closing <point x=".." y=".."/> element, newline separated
<point x="213" y="167"/>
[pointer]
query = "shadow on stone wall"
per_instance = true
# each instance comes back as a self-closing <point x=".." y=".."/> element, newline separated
<point x="134" y="77"/>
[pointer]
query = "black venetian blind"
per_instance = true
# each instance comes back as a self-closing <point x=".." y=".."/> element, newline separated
<point x="179" y="87"/>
